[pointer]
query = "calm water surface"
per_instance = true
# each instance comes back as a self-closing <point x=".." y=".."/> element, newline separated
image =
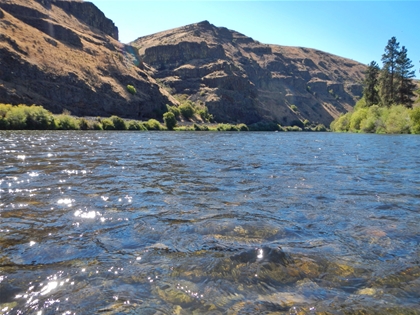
<point x="209" y="223"/>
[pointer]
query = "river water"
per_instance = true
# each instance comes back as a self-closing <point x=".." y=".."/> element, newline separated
<point x="209" y="223"/>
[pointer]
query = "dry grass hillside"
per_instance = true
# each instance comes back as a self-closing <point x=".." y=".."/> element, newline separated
<point x="66" y="55"/>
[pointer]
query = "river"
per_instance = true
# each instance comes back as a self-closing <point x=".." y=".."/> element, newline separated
<point x="209" y="223"/>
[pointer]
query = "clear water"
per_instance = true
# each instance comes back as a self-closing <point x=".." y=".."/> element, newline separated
<point x="209" y="223"/>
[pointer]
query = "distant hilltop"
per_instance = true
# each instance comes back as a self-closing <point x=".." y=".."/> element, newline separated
<point x="66" y="55"/>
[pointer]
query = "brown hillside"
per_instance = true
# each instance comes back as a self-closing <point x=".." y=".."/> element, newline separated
<point x="242" y="80"/>
<point x="66" y="55"/>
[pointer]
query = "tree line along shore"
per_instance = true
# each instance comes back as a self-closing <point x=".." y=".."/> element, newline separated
<point x="389" y="104"/>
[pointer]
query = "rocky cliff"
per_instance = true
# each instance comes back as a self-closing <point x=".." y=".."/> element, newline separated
<point x="242" y="80"/>
<point x="66" y="55"/>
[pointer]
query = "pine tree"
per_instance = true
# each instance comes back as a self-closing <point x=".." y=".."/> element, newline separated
<point x="370" y="84"/>
<point x="389" y="59"/>
<point x="406" y="86"/>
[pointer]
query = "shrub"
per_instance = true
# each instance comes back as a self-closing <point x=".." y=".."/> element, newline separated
<point x="4" y="124"/>
<point x="398" y="120"/>
<point x="175" y="110"/>
<point x="16" y="117"/>
<point x="293" y="128"/>
<point x="131" y="89"/>
<point x="415" y="120"/>
<point x="200" y="128"/>
<point x="107" y="124"/>
<point x="38" y="118"/>
<point x="360" y="104"/>
<point x="170" y="120"/>
<point x="25" y="117"/>
<point x="373" y="119"/>
<point x="153" y="124"/>
<point x="133" y="125"/>
<point x="242" y="127"/>
<point x="226" y="127"/>
<point x="204" y="114"/>
<point x="66" y="122"/>
<point x="142" y="126"/>
<point x="96" y="125"/>
<point x="185" y="128"/>
<point x="84" y="124"/>
<point x="118" y="122"/>
<point x="186" y="109"/>
<point x="356" y="119"/>
<point x="342" y="124"/>
<point x="320" y="127"/>
<point x="368" y="125"/>
<point x="294" y="108"/>
<point x="4" y="108"/>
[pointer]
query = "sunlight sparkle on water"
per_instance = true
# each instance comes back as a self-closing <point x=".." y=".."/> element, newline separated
<point x="66" y="201"/>
<point x="86" y="215"/>
<point x="49" y="287"/>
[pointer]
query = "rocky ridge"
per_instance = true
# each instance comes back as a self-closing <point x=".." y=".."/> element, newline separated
<point x="241" y="80"/>
<point x="66" y="55"/>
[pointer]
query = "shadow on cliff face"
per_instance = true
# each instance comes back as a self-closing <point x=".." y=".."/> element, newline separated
<point x="240" y="79"/>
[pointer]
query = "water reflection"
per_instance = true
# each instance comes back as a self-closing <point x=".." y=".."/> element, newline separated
<point x="196" y="223"/>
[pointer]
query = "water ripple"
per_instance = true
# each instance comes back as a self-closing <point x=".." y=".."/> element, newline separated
<point x="182" y="223"/>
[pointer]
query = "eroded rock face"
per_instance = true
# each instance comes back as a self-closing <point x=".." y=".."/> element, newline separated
<point x="66" y="55"/>
<point x="89" y="14"/>
<point x="242" y="80"/>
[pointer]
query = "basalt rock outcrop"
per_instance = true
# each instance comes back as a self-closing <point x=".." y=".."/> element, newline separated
<point x="66" y="55"/>
<point x="242" y="80"/>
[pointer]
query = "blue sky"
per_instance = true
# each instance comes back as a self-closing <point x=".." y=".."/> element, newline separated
<point x="358" y="30"/>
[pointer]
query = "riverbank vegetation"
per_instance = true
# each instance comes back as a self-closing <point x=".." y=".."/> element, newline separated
<point x="389" y="102"/>
<point x="23" y="117"/>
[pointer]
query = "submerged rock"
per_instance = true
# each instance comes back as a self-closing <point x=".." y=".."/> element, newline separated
<point x="264" y="254"/>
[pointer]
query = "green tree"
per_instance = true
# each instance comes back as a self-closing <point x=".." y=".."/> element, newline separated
<point x="370" y="84"/>
<point x="406" y="85"/>
<point x="389" y="59"/>
<point x="170" y="120"/>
